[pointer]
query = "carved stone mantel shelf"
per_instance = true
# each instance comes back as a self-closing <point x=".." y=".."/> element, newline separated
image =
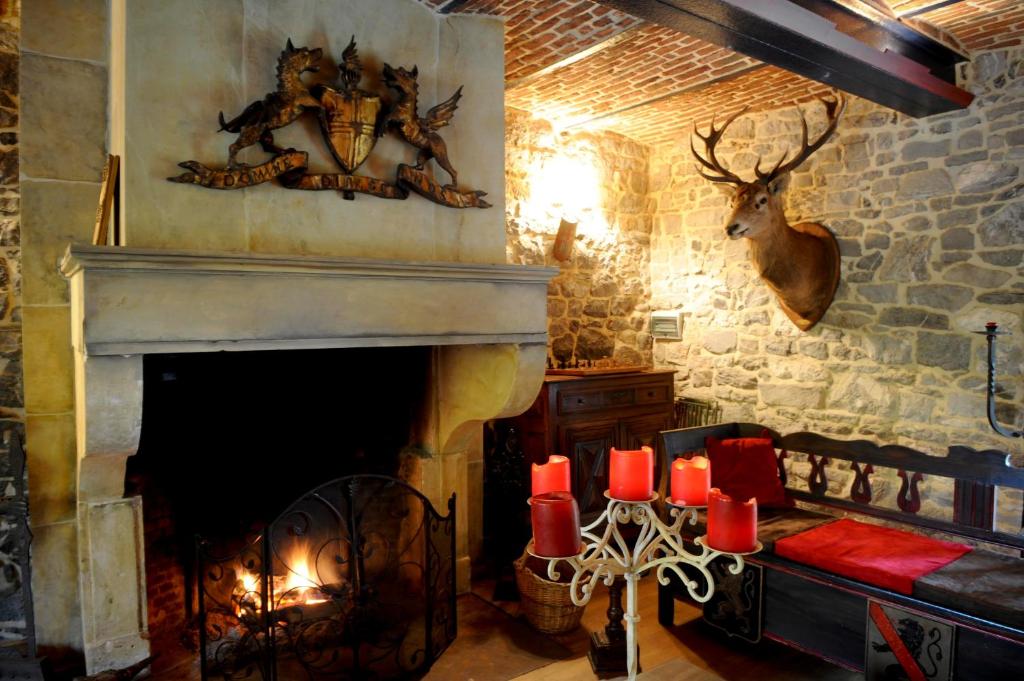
<point x="137" y="301"/>
<point x="487" y="323"/>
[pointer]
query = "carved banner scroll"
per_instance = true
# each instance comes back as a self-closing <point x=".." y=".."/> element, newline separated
<point x="242" y="176"/>
<point x="345" y="184"/>
<point x="351" y="120"/>
<point x="425" y="186"/>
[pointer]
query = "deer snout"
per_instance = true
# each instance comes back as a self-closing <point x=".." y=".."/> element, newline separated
<point x="735" y="230"/>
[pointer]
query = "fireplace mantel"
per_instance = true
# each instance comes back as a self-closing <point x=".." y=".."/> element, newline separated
<point x="138" y="301"/>
<point x="486" y="323"/>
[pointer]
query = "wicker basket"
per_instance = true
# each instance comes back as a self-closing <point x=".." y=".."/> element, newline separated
<point x="547" y="605"/>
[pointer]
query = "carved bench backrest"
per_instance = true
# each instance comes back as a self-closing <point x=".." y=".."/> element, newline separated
<point x="974" y="474"/>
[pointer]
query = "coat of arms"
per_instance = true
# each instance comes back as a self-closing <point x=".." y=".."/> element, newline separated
<point x="349" y="118"/>
<point x="351" y="121"/>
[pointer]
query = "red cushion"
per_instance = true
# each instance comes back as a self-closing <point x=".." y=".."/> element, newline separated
<point x="745" y="467"/>
<point x="891" y="559"/>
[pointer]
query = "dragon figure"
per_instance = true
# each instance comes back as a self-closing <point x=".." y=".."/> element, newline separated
<point x="277" y="109"/>
<point x="420" y="132"/>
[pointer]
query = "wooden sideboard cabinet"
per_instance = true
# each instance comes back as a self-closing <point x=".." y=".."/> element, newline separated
<point x="583" y="417"/>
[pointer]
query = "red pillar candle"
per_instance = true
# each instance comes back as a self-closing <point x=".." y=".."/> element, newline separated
<point x="631" y="474"/>
<point x="732" y="524"/>
<point x="552" y="476"/>
<point x="556" y="525"/>
<point x="691" y="480"/>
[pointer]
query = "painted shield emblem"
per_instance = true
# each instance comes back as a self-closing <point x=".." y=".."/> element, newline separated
<point x="348" y="121"/>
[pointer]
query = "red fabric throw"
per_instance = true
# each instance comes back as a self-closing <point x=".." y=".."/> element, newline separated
<point x="745" y="467"/>
<point x="882" y="556"/>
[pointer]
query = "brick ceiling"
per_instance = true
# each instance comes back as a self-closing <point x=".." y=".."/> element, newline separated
<point x="583" y="64"/>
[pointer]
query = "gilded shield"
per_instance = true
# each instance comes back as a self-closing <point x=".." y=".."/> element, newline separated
<point x="348" y="121"/>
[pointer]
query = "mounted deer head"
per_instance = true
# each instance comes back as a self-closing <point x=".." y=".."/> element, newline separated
<point x="800" y="263"/>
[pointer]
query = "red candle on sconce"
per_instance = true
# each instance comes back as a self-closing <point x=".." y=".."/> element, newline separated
<point x="691" y="480"/>
<point x="552" y="476"/>
<point x="631" y="474"/>
<point x="556" y="525"/>
<point x="732" y="523"/>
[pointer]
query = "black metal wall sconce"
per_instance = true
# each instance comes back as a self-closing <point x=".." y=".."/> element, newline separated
<point x="991" y="331"/>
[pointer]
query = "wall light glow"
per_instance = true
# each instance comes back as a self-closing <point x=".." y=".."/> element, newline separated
<point x="567" y="184"/>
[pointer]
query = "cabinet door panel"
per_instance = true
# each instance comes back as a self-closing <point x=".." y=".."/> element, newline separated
<point x="640" y="431"/>
<point x="587" y="446"/>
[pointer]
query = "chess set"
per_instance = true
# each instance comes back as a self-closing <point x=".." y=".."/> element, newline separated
<point x="590" y="367"/>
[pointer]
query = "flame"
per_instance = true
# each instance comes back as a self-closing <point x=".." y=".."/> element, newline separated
<point x="299" y="585"/>
<point x="246" y="594"/>
<point x="250" y="582"/>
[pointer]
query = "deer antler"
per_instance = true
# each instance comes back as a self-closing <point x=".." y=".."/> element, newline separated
<point x="712" y="162"/>
<point x="834" y="108"/>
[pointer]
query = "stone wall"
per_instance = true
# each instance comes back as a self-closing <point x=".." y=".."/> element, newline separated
<point x="597" y="305"/>
<point x="12" y="401"/>
<point x="928" y="214"/>
<point x="63" y="145"/>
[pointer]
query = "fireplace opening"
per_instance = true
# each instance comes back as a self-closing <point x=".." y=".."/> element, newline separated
<point x="355" y="580"/>
<point x="230" y="439"/>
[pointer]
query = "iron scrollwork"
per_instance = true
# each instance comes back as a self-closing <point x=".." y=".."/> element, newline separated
<point x="354" y="580"/>
<point x="658" y="547"/>
<point x="18" y="656"/>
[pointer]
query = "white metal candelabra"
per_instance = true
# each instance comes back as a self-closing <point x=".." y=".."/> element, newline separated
<point x="657" y="546"/>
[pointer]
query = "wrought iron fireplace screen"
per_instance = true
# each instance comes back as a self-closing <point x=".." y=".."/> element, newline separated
<point x="355" y="580"/>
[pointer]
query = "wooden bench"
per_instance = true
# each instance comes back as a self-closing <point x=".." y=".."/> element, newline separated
<point x="975" y="604"/>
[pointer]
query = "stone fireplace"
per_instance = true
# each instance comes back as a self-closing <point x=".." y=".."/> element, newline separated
<point x="484" y="326"/>
<point x="266" y="269"/>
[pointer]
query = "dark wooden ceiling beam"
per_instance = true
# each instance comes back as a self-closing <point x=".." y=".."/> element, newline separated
<point x="788" y="36"/>
<point x="453" y="6"/>
<point x="611" y="41"/>
<point x="883" y="31"/>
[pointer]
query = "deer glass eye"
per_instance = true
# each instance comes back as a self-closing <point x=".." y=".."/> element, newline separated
<point x="761" y="200"/>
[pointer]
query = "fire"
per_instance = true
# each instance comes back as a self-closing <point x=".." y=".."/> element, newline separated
<point x="246" y="596"/>
<point x="297" y="586"/>
<point x="250" y="582"/>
